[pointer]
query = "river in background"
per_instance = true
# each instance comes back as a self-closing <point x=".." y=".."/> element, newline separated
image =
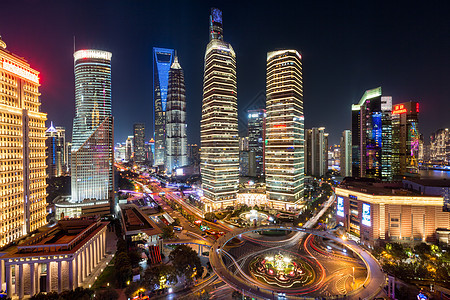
<point x="434" y="174"/>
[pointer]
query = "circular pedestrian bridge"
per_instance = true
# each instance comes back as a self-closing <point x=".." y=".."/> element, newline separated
<point x="273" y="270"/>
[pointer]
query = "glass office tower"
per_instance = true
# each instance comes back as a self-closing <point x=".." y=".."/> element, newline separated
<point x="284" y="129"/>
<point x="162" y="61"/>
<point x="176" y="139"/>
<point x="256" y="141"/>
<point x="92" y="136"/>
<point x="219" y="124"/>
<point x="139" y="140"/>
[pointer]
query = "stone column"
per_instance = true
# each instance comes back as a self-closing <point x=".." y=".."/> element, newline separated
<point x="71" y="262"/>
<point x="2" y="274"/>
<point x="85" y="264"/>
<point x="37" y="278"/>
<point x="76" y="273"/>
<point x="9" y="281"/>
<point x="91" y="256"/>
<point x="32" y="279"/>
<point x="60" y="279"/>
<point x="49" y="277"/>
<point x="20" y="282"/>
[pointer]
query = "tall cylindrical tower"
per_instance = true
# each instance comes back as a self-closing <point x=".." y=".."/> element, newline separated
<point x="92" y="136"/>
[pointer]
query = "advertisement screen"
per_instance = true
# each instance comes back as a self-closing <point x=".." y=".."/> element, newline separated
<point x="366" y="215"/>
<point x="340" y="206"/>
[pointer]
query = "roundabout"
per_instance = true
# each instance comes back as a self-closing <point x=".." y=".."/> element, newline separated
<point x="305" y="263"/>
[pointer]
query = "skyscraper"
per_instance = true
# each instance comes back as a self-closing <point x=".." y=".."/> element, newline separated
<point x="139" y="139"/>
<point x="256" y="141"/>
<point x="162" y="61"/>
<point x="129" y="145"/>
<point x="405" y="139"/>
<point x="22" y="149"/>
<point x="346" y="154"/>
<point x="55" y="152"/>
<point x="316" y="154"/>
<point x="92" y="136"/>
<point x="176" y="140"/>
<point x="284" y="128"/>
<point x="440" y="146"/>
<point x="372" y="136"/>
<point x="219" y="124"/>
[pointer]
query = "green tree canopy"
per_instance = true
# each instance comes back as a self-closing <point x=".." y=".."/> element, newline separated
<point x="186" y="262"/>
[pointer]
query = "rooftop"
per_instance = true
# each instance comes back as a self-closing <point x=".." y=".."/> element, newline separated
<point x="134" y="220"/>
<point x="430" y="182"/>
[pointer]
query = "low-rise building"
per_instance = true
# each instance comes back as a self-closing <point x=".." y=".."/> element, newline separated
<point x="372" y="211"/>
<point x="56" y="259"/>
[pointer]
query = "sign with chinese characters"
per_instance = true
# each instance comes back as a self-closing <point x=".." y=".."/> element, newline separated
<point x="399" y="109"/>
<point x="19" y="71"/>
<point x="366" y="219"/>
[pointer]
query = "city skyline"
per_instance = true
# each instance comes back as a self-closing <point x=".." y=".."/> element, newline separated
<point x="405" y="55"/>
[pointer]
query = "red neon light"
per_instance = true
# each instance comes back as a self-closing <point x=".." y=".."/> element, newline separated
<point x="417" y="107"/>
<point x="399" y="109"/>
<point x="280" y="126"/>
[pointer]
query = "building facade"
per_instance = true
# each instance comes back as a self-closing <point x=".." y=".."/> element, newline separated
<point x="162" y="61"/>
<point x="440" y="146"/>
<point x="22" y="149"/>
<point x="384" y="211"/>
<point x="345" y="156"/>
<point x="56" y="151"/>
<point x="284" y="129"/>
<point x="405" y="139"/>
<point x="316" y="140"/>
<point x="92" y="135"/>
<point x="372" y="136"/>
<point x="219" y="123"/>
<point x="176" y="140"/>
<point x="256" y="141"/>
<point x="139" y="140"/>
<point x="193" y="153"/>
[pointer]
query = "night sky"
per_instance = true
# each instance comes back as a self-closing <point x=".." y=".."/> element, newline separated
<point x="346" y="49"/>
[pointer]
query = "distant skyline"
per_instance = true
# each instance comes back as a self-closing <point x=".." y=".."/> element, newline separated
<point x="346" y="49"/>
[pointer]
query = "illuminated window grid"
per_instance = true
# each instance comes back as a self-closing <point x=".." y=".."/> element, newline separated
<point x="284" y="127"/>
<point x="219" y="126"/>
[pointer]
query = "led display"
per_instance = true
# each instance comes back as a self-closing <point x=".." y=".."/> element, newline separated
<point x="340" y="206"/>
<point x="366" y="220"/>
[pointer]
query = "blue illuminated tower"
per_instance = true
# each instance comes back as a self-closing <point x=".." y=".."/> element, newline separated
<point x="162" y="60"/>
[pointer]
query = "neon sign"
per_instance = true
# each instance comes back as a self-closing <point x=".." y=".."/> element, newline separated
<point x="399" y="109"/>
<point x="280" y="126"/>
<point x="19" y="71"/>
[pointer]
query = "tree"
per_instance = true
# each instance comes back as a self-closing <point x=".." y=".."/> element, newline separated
<point x="135" y="255"/>
<point x="168" y="232"/>
<point x="186" y="262"/>
<point x="121" y="246"/>
<point x="122" y="267"/>
<point x="108" y="294"/>
<point x="210" y="217"/>
<point x="131" y="289"/>
<point x="154" y="274"/>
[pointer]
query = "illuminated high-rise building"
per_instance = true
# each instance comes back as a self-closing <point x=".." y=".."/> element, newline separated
<point x="372" y="136"/>
<point x="162" y="61"/>
<point x="22" y="149"/>
<point x="92" y="136"/>
<point x="284" y="129"/>
<point x="176" y="139"/>
<point x="139" y="140"/>
<point x="219" y="124"/>
<point x="129" y="148"/>
<point x="256" y="141"/>
<point x="440" y="146"/>
<point x="405" y="139"/>
<point x="345" y="156"/>
<point x="316" y="152"/>
<point x="55" y="152"/>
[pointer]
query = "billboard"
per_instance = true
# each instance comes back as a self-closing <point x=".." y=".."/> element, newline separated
<point x="340" y="207"/>
<point x="366" y="219"/>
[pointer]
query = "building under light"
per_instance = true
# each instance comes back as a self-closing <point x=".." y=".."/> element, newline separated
<point x="176" y="139"/>
<point x="372" y="136"/>
<point x="284" y="129"/>
<point x="56" y="151"/>
<point x="162" y="61"/>
<point x="405" y="139"/>
<point x="22" y="149"/>
<point x="219" y="124"/>
<point x="139" y="139"/>
<point x="316" y="151"/>
<point x="346" y="154"/>
<point x="92" y="137"/>
<point x="256" y="141"/>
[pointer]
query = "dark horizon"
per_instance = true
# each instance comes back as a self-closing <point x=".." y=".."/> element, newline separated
<point x="346" y="50"/>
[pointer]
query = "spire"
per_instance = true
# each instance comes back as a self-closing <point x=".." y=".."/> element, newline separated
<point x="215" y="24"/>
<point x="175" y="64"/>
<point x="51" y="128"/>
<point x="2" y="43"/>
